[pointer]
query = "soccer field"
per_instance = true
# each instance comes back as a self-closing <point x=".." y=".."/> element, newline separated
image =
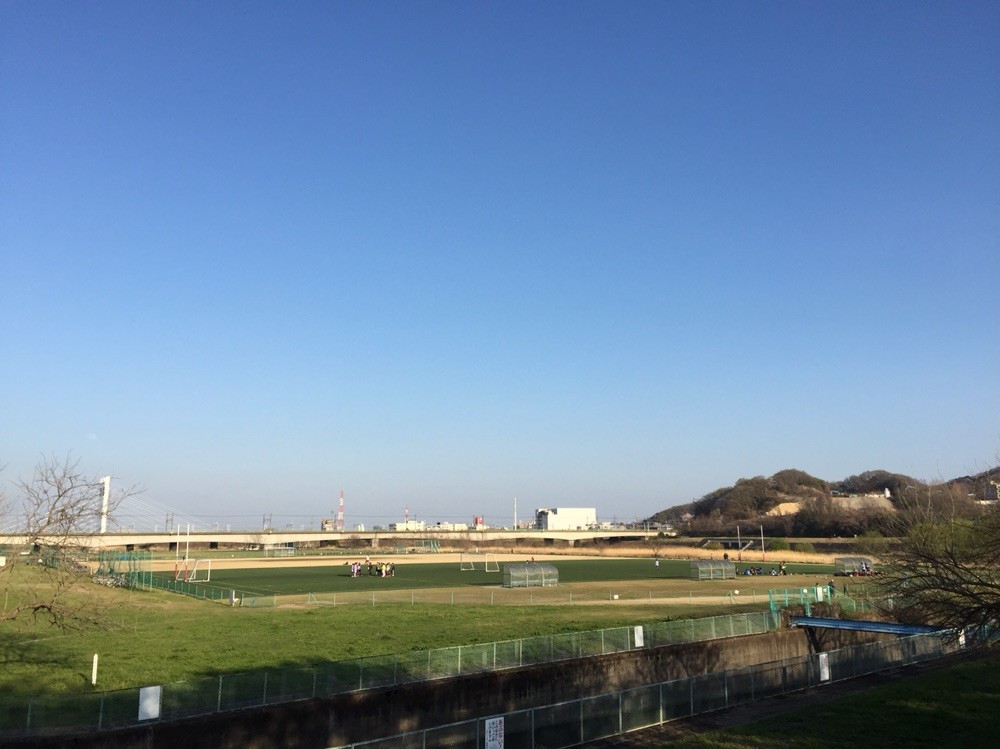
<point x="326" y="579"/>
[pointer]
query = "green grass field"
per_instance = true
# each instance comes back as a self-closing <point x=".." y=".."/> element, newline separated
<point x="158" y="637"/>
<point x="955" y="707"/>
<point x="337" y="578"/>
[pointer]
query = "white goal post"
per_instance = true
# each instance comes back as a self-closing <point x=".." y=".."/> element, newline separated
<point x="485" y="562"/>
<point x="194" y="571"/>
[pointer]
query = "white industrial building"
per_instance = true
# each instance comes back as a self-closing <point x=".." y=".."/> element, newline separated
<point x="450" y="527"/>
<point x="565" y="518"/>
<point x="409" y="525"/>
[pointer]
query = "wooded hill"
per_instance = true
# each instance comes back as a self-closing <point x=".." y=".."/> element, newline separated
<point x="792" y="502"/>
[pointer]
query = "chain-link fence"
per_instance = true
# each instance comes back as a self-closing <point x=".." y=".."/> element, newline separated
<point x="569" y="724"/>
<point x="20" y="716"/>
<point x="850" y="601"/>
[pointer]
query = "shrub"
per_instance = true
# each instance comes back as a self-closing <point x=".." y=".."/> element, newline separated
<point x="778" y="544"/>
<point x="804" y="546"/>
<point x="713" y="545"/>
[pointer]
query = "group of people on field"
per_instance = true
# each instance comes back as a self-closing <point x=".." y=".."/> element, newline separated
<point x="864" y="569"/>
<point x="779" y="570"/>
<point x="375" y="569"/>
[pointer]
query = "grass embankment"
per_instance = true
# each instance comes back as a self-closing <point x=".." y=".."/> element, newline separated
<point x="157" y="637"/>
<point x="954" y="707"/>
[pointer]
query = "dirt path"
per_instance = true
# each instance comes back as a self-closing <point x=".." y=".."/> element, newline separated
<point x="320" y="560"/>
<point x="501" y="557"/>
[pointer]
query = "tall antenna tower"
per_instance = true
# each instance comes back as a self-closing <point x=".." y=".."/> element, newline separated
<point x="406" y="514"/>
<point x="340" y="512"/>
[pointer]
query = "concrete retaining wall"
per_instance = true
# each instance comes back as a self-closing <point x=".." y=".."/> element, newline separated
<point x="320" y="723"/>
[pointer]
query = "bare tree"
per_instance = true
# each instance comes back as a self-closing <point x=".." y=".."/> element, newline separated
<point x="58" y="510"/>
<point x="943" y="568"/>
<point x="255" y="541"/>
<point x="656" y="544"/>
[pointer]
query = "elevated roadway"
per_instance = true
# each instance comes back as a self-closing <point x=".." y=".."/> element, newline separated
<point x="375" y="539"/>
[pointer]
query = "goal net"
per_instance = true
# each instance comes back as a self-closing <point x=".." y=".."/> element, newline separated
<point x="485" y="562"/>
<point x="201" y="571"/>
<point x="194" y="571"/>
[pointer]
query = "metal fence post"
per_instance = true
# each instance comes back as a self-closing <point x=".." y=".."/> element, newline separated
<point x="218" y="702"/>
<point x="621" y="721"/>
<point x="264" y="699"/>
<point x="100" y="713"/>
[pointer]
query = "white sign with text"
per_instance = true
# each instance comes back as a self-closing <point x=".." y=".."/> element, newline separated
<point x="494" y="733"/>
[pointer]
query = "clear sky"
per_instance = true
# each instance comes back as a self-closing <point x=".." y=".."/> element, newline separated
<point x="445" y="254"/>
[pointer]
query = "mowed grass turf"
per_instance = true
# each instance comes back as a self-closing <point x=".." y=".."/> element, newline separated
<point x="157" y="637"/>
<point x="337" y="578"/>
<point x="955" y="707"/>
<point x="153" y="637"/>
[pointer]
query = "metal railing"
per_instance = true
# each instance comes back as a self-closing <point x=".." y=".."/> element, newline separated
<point x="67" y="713"/>
<point x="575" y="722"/>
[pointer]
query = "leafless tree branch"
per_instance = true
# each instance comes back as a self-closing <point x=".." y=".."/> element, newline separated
<point x="59" y="508"/>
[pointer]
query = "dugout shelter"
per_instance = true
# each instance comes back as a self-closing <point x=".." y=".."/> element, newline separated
<point x="530" y="575"/>
<point x="851" y="566"/>
<point x="712" y="569"/>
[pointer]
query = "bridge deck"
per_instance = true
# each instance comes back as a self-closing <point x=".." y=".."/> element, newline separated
<point x="892" y="628"/>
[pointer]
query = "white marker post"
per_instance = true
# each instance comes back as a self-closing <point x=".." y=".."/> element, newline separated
<point x="93" y="672"/>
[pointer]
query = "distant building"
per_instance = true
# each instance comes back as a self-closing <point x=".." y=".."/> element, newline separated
<point x="409" y="525"/>
<point x="565" y="518"/>
<point x="450" y="527"/>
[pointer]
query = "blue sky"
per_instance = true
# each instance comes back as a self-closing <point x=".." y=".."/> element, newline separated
<point x="445" y="254"/>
